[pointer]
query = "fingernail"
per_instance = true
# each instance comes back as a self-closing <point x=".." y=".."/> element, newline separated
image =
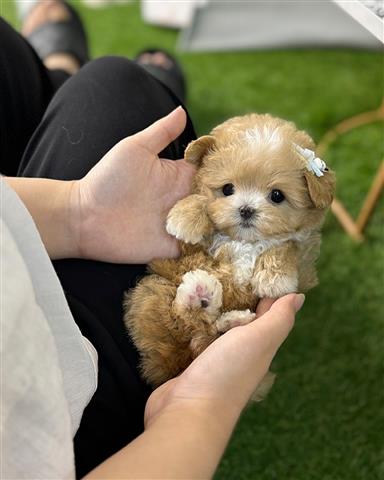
<point x="174" y="111"/>
<point x="299" y="300"/>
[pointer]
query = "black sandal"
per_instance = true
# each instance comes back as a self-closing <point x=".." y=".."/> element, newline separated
<point x="172" y="76"/>
<point x="67" y="36"/>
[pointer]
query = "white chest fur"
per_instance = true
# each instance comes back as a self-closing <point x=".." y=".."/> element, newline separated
<point x="242" y="255"/>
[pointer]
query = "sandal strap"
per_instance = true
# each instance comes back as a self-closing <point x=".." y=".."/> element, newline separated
<point x="61" y="37"/>
<point x="172" y="77"/>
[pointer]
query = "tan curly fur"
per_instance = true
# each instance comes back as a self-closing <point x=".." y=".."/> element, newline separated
<point x="227" y="263"/>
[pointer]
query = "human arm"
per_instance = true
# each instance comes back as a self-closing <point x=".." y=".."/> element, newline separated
<point x="117" y="212"/>
<point x="48" y="202"/>
<point x="189" y="420"/>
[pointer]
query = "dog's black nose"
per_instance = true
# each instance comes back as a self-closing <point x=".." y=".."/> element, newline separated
<point x="246" y="212"/>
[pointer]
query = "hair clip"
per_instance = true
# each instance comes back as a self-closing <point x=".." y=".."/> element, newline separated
<point x="314" y="164"/>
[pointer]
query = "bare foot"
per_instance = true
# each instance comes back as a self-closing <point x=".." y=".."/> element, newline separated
<point x="159" y="59"/>
<point x="51" y="11"/>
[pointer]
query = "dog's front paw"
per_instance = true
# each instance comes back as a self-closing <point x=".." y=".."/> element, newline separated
<point x="176" y="227"/>
<point x="273" y="286"/>
<point x="198" y="290"/>
<point x="234" y="318"/>
<point x="188" y="220"/>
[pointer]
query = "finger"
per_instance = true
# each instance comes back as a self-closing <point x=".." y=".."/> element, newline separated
<point x="178" y="167"/>
<point x="276" y="324"/>
<point x="264" y="305"/>
<point x="160" y="134"/>
<point x="172" y="248"/>
<point x="179" y="174"/>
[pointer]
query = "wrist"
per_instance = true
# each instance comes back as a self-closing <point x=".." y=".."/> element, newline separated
<point x="75" y="217"/>
<point x="196" y="432"/>
<point x="61" y="232"/>
<point x="49" y="203"/>
<point x="213" y="414"/>
<point x="81" y="221"/>
<point x="185" y="440"/>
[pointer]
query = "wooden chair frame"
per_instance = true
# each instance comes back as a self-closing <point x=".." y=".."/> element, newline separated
<point x="355" y="228"/>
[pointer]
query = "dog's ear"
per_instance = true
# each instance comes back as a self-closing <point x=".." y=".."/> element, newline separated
<point x="196" y="150"/>
<point x="321" y="189"/>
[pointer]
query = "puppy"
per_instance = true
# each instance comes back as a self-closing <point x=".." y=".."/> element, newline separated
<point x="250" y="229"/>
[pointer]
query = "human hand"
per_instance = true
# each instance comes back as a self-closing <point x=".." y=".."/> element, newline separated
<point x="191" y="417"/>
<point x="119" y="208"/>
<point x="224" y="376"/>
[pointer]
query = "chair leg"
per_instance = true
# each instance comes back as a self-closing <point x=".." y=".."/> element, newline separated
<point x="346" y="220"/>
<point x="352" y="227"/>
<point x="371" y="199"/>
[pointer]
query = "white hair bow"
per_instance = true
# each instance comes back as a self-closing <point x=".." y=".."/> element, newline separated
<point x="314" y="164"/>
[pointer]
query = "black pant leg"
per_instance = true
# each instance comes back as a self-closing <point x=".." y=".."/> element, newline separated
<point x="106" y="101"/>
<point x="26" y="88"/>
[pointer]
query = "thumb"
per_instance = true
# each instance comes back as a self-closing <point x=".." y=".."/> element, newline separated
<point x="160" y="134"/>
<point x="178" y="170"/>
<point x="276" y="324"/>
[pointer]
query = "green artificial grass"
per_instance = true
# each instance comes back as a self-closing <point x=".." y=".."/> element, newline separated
<point x="324" y="418"/>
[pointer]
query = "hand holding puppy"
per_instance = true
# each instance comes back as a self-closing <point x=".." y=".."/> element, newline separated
<point x="190" y="418"/>
<point x="241" y="358"/>
<point x="119" y="208"/>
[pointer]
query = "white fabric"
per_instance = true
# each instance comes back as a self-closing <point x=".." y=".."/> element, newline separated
<point x="48" y="370"/>
<point x="169" y="13"/>
<point x="265" y="24"/>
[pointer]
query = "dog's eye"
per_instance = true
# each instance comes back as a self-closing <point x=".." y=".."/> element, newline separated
<point x="277" y="196"/>
<point x="228" y="189"/>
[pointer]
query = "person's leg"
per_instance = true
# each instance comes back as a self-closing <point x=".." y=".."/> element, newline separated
<point x="55" y="31"/>
<point x="165" y="68"/>
<point x="29" y="77"/>
<point x="25" y="91"/>
<point x="107" y="100"/>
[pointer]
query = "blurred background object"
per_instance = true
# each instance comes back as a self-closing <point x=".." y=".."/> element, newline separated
<point x="104" y="3"/>
<point x="239" y="25"/>
<point x="24" y="6"/>
<point x="355" y="228"/>
<point x="377" y="6"/>
<point x="168" y="13"/>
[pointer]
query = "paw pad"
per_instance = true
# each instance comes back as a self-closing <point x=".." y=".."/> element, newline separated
<point x="201" y="297"/>
<point x="199" y="289"/>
